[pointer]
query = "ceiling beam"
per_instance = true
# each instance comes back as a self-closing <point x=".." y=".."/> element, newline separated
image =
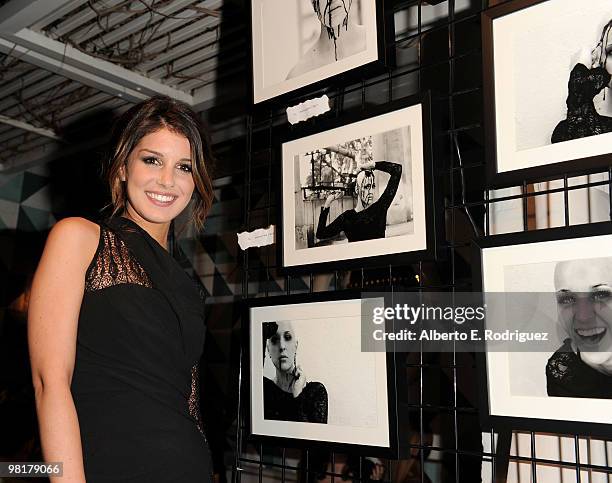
<point x="79" y="75"/>
<point x="65" y="60"/>
<point x="38" y="49"/>
<point x="25" y="126"/>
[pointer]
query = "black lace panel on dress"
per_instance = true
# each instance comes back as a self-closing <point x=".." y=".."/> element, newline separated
<point x="113" y="264"/>
<point x="194" y="399"/>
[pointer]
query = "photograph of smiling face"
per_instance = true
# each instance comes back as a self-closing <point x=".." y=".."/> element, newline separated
<point x="282" y="347"/>
<point x="158" y="176"/>
<point x="584" y="301"/>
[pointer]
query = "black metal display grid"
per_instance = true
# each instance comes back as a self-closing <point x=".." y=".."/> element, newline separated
<point x="444" y="57"/>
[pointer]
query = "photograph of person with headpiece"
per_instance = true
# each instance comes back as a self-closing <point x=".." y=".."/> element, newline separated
<point x="300" y="42"/>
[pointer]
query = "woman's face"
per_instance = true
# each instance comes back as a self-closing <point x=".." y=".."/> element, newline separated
<point x="584" y="301"/>
<point x="332" y="13"/>
<point x="158" y="177"/>
<point x="283" y="347"/>
<point x="366" y="185"/>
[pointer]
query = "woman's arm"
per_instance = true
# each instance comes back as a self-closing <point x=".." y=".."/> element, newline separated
<point x="55" y="302"/>
<point x="395" y="172"/>
<point x="334" y="228"/>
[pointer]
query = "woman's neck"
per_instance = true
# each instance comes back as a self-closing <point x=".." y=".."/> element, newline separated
<point x="285" y="380"/>
<point x="341" y="41"/>
<point x="158" y="231"/>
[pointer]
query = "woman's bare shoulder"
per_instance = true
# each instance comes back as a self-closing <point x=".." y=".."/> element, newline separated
<point x="76" y="226"/>
<point x="76" y="237"/>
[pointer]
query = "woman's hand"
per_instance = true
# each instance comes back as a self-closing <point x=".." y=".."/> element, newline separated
<point x="299" y="380"/>
<point x="335" y="195"/>
<point x="363" y="164"/>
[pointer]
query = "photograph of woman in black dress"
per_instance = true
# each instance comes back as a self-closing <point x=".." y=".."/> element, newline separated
<point x="587" y="79"/>
<point x="290" y="396"/>
<point x="115" y="325"/>
<point x="354" y="191"/>
<point x="368" y="220"/>
<point x="548" y="82"/>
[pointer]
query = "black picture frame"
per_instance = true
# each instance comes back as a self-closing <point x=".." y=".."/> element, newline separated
<point x="395" y="380"/>
<point x="385" y="59"/>
<point x="427" y="185"/>
<point x="492" y="419"/>
<point x="496" y="178"/>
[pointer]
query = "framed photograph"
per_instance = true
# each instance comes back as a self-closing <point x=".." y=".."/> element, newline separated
<point x="360" y="190"/>
<point x="563" y="280"/>
<point x="548" y="104"/>
<point x="308" y="381"/>
<point x="299" y="43"/>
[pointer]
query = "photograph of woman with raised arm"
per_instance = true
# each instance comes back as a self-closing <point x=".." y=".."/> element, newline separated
<point x="368" y="220"/>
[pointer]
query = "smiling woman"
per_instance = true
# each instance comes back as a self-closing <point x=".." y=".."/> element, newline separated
<point x="582" y="367"/>
<point x="164" y="134"/>
<point x="157" y="177"/>
<point x="116" y="326"/>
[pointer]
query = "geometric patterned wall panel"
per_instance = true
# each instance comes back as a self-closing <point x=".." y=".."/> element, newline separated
<point x="25" y="200"/>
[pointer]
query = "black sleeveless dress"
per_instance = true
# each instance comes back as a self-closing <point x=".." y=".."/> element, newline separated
<point x="135" y="382"/>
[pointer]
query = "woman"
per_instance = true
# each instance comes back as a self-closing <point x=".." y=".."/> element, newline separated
<point x="290" y="396"/>
<point x="115" y="325"/>
<point x="582" y="366"/>
<point x="368" y="220"/>
<point x="584" y="84"/>
<point x="340" y="36"/>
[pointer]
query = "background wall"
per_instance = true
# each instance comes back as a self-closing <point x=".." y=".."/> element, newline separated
<point x="437" y="48"/>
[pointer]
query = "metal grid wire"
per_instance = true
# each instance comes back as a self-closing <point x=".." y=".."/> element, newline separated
<point x="441" y="53"/>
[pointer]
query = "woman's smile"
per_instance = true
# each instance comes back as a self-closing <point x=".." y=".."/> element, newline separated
<point x="160" y="199"/>
<point x="592" y="336"/>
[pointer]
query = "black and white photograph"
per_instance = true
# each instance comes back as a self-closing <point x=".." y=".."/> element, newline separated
<point x="548" y="73"/>
<point x="299" y="42"/>
<point x="297" y="394"/>
<point x="355" y="197"/>
<point x="356" y="191"/>
<point x="565" y="286"/>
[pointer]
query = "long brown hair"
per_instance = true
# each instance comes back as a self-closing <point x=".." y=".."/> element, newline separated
<point x="149" y="116"/>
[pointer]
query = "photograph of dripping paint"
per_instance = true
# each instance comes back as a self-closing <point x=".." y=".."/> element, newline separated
<point x="300" y="42"/>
